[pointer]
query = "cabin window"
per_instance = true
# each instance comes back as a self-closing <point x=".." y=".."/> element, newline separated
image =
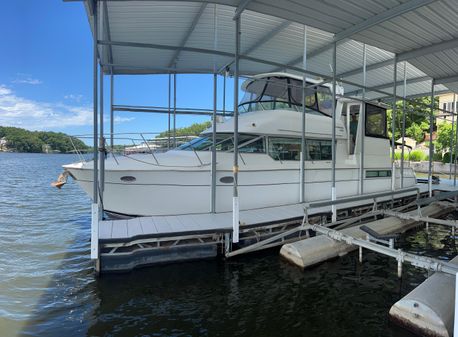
<point x="285" y="93"/>
<point x="378" y="173"/>
<point x="284" y="148"/>
<point x="290" y="149"/>
<point x="319" y="149"/>
<point x="255" y="145"/>
<point x="375" y="121"/>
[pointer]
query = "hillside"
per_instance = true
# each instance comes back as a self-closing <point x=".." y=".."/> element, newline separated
<point x="21" y="140"/>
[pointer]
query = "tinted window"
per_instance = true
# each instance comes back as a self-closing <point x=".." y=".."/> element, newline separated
<point x="319" y="149"/>
<point x="375" y="121"/>
<point x="285" y="148"/>
<point x="254" y="146"/>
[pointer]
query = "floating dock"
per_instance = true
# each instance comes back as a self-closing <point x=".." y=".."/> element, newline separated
<point x="129" y="243"/>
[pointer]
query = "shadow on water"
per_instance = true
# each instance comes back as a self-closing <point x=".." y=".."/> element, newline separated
<point x="258" y="294"/>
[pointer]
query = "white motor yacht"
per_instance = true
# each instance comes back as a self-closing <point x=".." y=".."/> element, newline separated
<point x="178" y="181"/>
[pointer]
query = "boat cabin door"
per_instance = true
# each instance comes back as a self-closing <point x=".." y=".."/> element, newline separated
<point x="352" y="119"/>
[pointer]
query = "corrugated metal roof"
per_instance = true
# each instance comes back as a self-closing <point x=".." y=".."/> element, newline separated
<point x="182" y="35"/>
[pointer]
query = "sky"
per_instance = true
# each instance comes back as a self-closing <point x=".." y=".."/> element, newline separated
<point x="46" y="75"/>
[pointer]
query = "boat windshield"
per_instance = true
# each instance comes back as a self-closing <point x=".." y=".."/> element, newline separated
<point x="273" y="93"/>
<point x="225" y="142"/>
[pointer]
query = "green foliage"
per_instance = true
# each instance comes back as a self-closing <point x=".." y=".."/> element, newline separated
<point x="446" y="158"/>
<point x="21" y="140"/>
<point x="437" y="156"/>
<point x="444" y="137"/>
<point x="417" y="155"/>
<point x="192" y="130"/>
<point x="417" y="112"/>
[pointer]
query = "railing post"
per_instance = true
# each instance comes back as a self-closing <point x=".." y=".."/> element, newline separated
<point x="403" y="131"/>
<point x="333" y="145"/>
<point x="235" y="169"/>
<point x="431" y="151"/>
<point x="393" y="123"/>
<point x="303" y="121"/>
<point x="95" y="214"/>
<point x="362" y="123"/>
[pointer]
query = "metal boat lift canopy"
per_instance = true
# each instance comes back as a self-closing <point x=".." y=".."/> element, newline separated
<point x="149" y="37"/>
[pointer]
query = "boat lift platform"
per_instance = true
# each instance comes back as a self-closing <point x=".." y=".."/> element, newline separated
<point x="128" y="243"/>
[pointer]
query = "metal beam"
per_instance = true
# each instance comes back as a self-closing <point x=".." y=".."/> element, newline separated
<point x="448" y="79"/>
<point x="382" y="17"/>
<point x="390" y="85"/>
<point x="187" y="35"/>
<point x="408" y="55"/>
<point x="240" y="8"/>
<point x="106" y="26"/>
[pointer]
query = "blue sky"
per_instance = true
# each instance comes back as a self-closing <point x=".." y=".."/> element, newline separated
<point x="46" y="75"/>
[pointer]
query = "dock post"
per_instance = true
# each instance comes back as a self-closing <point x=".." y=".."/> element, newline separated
<point x="168" y="113"/>
<point x="393" y="122"/>
<point x="111" y="109"/>
<point x="215" y="107"/>
<point x="235" y="169"/>
<point x="456" y="140"/>
<point x="431" y="152"/>
<point x="101" y="143"/>
<point x="213" y="156"/>
<point x="333" y="146"/>
<point x="403" y="130"/>
<point x="95" y="214"/>
<point x="451" y="141"/>
<point x="174" y="110"/>
<point x="303" y="121"/>
<point x="362" y="131"/>
<point x="455" y="320"/>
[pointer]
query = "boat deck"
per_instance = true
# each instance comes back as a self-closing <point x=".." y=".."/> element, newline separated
<point x="194" y="224"/>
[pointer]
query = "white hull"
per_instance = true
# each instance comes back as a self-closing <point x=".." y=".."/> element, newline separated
<point x="175" y="191"/>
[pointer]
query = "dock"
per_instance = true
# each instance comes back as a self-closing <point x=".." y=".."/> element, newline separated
<point x="129" y="243"/>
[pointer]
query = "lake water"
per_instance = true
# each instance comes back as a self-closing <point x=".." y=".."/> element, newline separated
<point x="48" y="287"/>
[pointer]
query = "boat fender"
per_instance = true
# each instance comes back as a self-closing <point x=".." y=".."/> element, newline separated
<point x="61" y="180"/>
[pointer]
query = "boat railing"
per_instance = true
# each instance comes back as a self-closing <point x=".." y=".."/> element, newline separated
<point x="126" y="144"/>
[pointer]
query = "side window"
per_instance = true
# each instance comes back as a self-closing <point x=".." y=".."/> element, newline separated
<point x="284" y="148"/>
<point x="319" y="149"/>
<point x="375" y="121"/>
<point x="256" y="146"/>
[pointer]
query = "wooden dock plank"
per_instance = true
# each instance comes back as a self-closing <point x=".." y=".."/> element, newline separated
<point x="134" y="227"/>
<point x="148" y="225"/>
<point x="119" y="229"/>
<point x="175" y="223"/>
<point x="162" y="224"/>
<point x="105" y="228"/>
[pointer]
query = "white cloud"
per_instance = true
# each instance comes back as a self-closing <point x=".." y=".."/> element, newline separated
<point x="72" y="97"/>
<point x="29" y="114"/>
<point x="26" y="79"/>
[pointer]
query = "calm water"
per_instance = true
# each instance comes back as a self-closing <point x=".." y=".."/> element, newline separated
<point x="48" y="288"/>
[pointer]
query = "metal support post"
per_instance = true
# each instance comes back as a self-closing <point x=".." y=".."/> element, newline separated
<point x="101" y="142"/>
<point x="431" y="151"/>
<point x="333" y="146"/>
<point x="224" y="93"/>
<point x="95" y="197"/>
<point x="455" y="319"/>
<point x="393" y="123"/>
<point x="362" y="127"/>
<point x="235" y="169"/>
<point x="168" y="112"/>
<point x="174" y="110"/>
<point x="213" y="158"/>
<point x="303" y="155"/>
<point x="455" y="152"/>
<point x="111" y="110"/>
<point x="451" y="145"/>
<point x="403" y="131"/>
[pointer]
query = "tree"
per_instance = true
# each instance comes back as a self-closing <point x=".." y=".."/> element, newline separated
<point x="444" y="137"/>
<point x="417" y="112"/>
<point x="192" y="130"/>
